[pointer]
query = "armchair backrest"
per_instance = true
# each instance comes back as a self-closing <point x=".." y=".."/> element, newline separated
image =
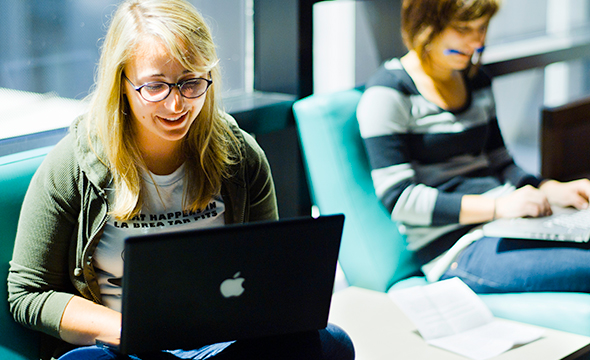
<point x="564" y="140"/>
<point x="16" y="342"/>
<point x="373" y="254"/>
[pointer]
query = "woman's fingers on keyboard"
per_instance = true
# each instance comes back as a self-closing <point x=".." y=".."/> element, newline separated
<point x="526" y="201"/>
<point x="580" y="190"/>
<point x="574" y="193"/>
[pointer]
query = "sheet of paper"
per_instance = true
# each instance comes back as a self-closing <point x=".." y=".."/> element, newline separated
<point x="449" y="315"/>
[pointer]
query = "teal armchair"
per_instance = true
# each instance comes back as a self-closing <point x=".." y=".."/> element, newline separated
<point x="373" y="253"/>
<point x="16" y="342"/>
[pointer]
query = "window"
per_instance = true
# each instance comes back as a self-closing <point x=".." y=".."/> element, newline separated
<point x="50" y="49"/>
<point x="536" y="31"/>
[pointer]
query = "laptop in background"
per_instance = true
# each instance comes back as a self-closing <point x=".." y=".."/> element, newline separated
<point x="187" y="289"/>
<point x="566" y="224"/>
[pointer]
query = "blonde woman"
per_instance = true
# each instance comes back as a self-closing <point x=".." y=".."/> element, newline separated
<point x="155" y="141"/>
<point x="440" y="166"/>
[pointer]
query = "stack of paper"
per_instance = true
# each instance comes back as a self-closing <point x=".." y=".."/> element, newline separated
<point x="449" y="315"/>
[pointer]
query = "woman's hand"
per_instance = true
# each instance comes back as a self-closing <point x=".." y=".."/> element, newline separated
<point x="525" y="201"/>
<point x="573" y="193"/>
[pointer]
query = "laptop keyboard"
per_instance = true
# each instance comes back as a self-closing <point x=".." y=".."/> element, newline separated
<point x="577" y="220"/>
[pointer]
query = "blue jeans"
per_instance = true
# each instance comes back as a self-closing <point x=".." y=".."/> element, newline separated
<point x="494" y="265"/>
<point x="330" y="343"/>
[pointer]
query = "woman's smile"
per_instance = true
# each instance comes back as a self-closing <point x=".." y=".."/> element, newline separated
<point x="173" y="119"/>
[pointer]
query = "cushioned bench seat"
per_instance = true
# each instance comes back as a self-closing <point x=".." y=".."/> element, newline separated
<point x="16" y="342"/>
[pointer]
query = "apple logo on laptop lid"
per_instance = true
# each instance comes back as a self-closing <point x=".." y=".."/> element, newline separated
<point x="233" y="286"/>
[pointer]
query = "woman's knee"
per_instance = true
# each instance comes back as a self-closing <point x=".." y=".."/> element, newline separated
<point x="336" y="344"/>
<point x="89" y="353"/>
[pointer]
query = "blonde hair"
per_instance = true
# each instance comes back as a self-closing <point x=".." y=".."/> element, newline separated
<point x="209" y="147"/>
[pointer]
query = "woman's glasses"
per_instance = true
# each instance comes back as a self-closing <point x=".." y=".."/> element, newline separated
<point x="159" y="90"/>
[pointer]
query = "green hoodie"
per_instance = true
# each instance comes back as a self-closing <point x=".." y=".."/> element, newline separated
<point x="65" y="210"/>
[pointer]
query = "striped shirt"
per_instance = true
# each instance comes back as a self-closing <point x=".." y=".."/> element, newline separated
<point x="424" y="158"/>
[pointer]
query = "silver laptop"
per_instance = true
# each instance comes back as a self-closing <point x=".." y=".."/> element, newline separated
<point x="188" y="289"/>
<point x="566" y="224"/>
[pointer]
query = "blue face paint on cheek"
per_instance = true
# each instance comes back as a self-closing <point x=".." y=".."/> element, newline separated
<point x="453" y="52"/>
<point x="458" y="52"/>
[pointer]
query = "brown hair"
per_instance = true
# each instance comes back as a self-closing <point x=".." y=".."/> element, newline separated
<point x="423" y="20"/>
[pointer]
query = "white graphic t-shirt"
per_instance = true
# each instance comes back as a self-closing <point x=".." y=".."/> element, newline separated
<point x="162" y="212"/>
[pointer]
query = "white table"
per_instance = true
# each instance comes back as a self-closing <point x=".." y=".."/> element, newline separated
<point x="379" y="330"/>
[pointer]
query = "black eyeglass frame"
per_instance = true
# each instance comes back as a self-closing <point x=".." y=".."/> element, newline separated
<point x="171" y="86"/>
